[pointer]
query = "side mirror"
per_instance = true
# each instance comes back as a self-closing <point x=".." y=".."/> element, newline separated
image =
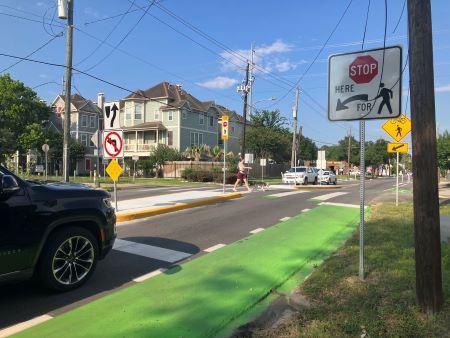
<point x="8" y="184"/>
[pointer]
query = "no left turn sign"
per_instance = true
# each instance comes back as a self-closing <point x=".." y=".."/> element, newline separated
<point x="113" y="144"/>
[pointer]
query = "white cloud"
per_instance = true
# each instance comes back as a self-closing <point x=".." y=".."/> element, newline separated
<point x="443" y="89"/>
<point x="219" y="82"/>
<point x="264" y="57"/>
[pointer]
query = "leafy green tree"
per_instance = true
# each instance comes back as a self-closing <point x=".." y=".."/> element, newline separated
<point x="443" y="152"/>
<point x="268" y="136"/>
<point x="7" y="144"/>
<point x="216" y="153"/>
<point x="308" y="149"/>
<point x="163" y="153"/>
<point x="196" y="152"/>
<point x="19" y="108"/>
<point x="376" y="152"/>
<point x="76" y="152"/>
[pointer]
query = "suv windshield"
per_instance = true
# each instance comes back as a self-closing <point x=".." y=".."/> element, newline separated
<point x="298" y="170"/>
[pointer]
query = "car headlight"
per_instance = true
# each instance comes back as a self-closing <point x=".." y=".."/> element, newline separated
<point x="107" y="202"/>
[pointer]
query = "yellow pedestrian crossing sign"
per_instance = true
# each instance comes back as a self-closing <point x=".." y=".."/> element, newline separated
<point x="114" y="170"/>
<point x="398" y="128"/>
<point x="397" y="147"/>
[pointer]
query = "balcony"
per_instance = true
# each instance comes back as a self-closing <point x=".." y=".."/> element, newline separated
<point x="139" y="148"/>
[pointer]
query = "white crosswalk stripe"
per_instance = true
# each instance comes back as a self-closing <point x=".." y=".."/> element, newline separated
<point x="329" y="196"/>
<point x="150" y="251"/>
<point x="289" y="193"/>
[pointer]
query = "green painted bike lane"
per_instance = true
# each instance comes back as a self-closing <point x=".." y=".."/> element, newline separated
<point x="214" y="293"/>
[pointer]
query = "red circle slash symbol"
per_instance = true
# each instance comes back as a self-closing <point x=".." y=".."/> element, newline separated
<point x="115" y="142"/>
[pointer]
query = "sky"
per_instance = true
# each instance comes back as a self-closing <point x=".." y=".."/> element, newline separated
<point x="203" y="44"/>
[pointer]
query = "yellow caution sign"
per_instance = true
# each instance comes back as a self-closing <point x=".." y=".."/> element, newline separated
<point x="397" y="147"/>
<point x="114" y="170"/>
<point x="398" y="128"/>
<point x="224" y="121"/>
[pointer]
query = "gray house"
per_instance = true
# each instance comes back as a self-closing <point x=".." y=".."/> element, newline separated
<point x="84" y="119"/>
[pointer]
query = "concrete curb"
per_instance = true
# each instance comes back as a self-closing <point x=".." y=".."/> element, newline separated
<point x="130" y="216"/>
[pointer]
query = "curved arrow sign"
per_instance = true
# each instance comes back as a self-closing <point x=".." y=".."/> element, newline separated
<point x="342" y="105"/>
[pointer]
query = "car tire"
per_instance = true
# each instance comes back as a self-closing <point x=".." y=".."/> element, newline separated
<point x="328" y="182"/>
<point x="335" y="181"/>
<point x="315" y="181"/>
<point x="68" y="259"/>
<point x="305" y="182"/>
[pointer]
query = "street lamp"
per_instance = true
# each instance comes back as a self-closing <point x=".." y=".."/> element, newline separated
<point x="254" y="103"/>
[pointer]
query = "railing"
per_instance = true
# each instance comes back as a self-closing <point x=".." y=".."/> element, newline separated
<point x="139" y="147"/>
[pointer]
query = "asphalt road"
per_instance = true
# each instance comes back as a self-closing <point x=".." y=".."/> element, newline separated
<point x="189" y="232"/>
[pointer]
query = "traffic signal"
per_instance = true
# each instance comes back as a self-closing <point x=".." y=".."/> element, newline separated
<point x="224" y="120"/>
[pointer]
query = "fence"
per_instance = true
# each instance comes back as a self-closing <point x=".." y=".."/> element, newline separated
<point x="176" y="168"/>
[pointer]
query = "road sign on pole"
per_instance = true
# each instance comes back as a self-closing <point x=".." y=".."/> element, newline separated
<point x="114" y="170"/>
<point x="113" y="143"/>
<point x="94" y="139"/>
<point x="398" y="128"/>
<point x="397" y="147"/>
<point x="111" y="115"/>
<point x="365" y="85"/>
<point x="225" y="121"/>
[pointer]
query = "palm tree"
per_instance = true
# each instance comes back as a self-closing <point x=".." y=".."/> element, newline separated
<point x="216" y="152"/>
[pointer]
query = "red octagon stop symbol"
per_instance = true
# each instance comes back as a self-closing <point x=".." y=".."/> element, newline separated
<point x="363" y="69"/>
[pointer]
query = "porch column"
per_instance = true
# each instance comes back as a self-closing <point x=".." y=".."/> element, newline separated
<point x="157" y="137"/>
<point x="136" y="140"/>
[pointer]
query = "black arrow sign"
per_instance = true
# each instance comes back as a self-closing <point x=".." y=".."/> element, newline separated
<point x="398" y="147"/>
<point x="114" y="110"/>
<point x="342" y="105"/>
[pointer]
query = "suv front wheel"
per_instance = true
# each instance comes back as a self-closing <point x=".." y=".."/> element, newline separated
<point x="69" y="258"/>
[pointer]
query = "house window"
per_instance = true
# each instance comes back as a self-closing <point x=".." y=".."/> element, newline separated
<point x="211" y="121"/>
<point x="170" y="116"/>
<point x="84" y="139"/>
<point x="232" y="129"/>
<point x="157" y="115"/>
<point x="170" y="138"/>
<point x="138" y="107"/>
<point x="201" y="119"/>
<point x="84" y="121"/>
<point x="196" y="138"/>
<point x="200" y="138"/>
<point x="184" y="115"/>
<point x="92" y="121"/>
<point x="128" y="113"/>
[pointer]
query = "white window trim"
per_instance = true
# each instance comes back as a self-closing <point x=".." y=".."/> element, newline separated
<point x="92" y="125"/>
<point x="201" y="119"/>
<point x="170" y="115"/>
<point x="84" y="140"/>
<point x="84" y="118"/>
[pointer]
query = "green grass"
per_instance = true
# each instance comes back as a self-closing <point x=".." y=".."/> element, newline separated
<point x="383" y="305"/>
<point x="445" y="210"/>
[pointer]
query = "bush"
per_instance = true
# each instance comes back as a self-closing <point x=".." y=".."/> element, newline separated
<point x="214" y="175"/>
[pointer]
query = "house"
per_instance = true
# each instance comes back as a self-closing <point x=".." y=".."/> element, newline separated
<point x="235" y="130"/>
<point x="85" y="117"/>
<point x="167" y="114"/>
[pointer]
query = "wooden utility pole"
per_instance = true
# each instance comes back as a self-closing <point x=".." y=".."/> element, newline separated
<point x="66" y="142"/>
<point x="294" y="132"/>
<point x="245" y="89"/>
<point x="426" y="201"/>
<point x="298" y="146"/>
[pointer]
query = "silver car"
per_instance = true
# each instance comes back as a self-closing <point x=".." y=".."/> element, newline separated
<point x="327" y="177"/>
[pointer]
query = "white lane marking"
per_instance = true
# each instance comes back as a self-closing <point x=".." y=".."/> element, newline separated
<point x="284" y="219"/>
<point x="9" y="331"/>
<point x="329" y="196"/>
<point x="214" y="248"/>
<point x="342" y="205"/>
<point x="257" y="230"/>
<point x="150" y="251"/>
<point x="149" y="275"/>
<point x="289" y="193"/>
<point x="305" y="210"/>
<point x="191" y="189"/>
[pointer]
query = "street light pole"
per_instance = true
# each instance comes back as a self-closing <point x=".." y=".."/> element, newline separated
<point x="67" y="90"/>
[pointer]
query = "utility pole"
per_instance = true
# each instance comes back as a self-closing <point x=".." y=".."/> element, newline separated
<point x="294" y="132"/>
<point x="426" y="201"/>
<point x="298" y="146"/>
<point x="251" y="79"/>
<point x="244" y="88"/>
<point x="68" y="83"/>
<point x="349" y="148"/>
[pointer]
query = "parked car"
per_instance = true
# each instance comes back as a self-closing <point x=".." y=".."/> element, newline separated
<point x="300" y="175"/>
<point x="56" y="232"/>
<point x="328" y="177"/>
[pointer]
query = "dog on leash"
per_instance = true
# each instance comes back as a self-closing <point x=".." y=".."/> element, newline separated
<point x="263" y="186"/>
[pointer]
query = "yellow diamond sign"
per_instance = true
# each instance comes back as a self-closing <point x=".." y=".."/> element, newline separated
<point x="114" y="170"/>
<point x="397" y="147"/>
<point x="398" y="128"/>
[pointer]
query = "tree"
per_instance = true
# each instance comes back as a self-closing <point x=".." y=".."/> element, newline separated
<point x="76" y="152"/>
<point x="19" y="108"/>
<point x="443" y="152"/>
<point x="308" y="149"/>
<point x="268" y="137"/>
<point x="163" y="153"/>
<point x="376" y="152"/>
<point x="216" y="153"/>
<point x="7" y="144"/>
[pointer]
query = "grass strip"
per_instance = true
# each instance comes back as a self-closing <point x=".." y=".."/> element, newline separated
<point x="383" y="305"/>
<point x="203" y="297"/>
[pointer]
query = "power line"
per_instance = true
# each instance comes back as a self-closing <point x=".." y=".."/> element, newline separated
<point x="33" y="52"/>
<point x="400" y="18"/>
<point x="107" y="36"/>
<point x="123" y="38"/>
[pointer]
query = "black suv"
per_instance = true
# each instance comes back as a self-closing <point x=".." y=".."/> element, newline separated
<point x="54" y="231"/>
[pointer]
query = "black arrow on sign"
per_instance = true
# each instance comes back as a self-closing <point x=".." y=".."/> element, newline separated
<point x="398" y="147"/>
<point x="114" y="109"/>
<point x="342" y="105"/>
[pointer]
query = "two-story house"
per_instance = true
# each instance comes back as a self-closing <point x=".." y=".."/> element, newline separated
<point x="84" y="119"/>
<point x="166" y="114"/>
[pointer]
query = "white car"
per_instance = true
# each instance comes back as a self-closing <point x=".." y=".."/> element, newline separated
<point x="300" y="175"/>
<point x="327" y="177"/>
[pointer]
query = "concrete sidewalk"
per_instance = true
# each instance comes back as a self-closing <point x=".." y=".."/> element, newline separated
<point x="155" y="205"/>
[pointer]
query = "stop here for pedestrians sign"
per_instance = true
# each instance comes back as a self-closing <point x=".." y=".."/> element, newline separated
<point x="365" y="85"/>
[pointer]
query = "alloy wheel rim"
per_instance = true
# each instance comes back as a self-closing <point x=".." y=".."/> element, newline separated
<point x="73" y="260"/>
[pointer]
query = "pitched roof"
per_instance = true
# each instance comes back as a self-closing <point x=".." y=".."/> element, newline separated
<point x="80" y="103"/>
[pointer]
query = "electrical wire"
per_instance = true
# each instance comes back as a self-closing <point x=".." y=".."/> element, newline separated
<point x="107" y="36"/>
<point x="400" y="18"/>
<point x="123" y="38"/>
<point x="33" y="52"/>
